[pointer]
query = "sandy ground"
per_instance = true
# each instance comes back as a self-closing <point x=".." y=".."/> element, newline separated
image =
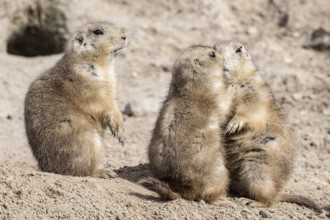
<point x="278" y="35"/>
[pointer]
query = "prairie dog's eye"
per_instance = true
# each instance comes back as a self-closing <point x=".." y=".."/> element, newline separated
<point x="212" y="54"/>
<point x="239" y="49"/>
<point x="98" y="32"/>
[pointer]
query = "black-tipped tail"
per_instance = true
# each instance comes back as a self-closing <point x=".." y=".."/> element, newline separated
<point x="301" y="200"/>
<point x="161" y="188"/>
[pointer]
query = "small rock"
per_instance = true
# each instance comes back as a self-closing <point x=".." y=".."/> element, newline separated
<point x="312" y="144"/>
<point x="288" y="60"/>
<point x="296" y="34"/>
<point x="142" y="107"/>
<point x="135" y="74"/>
<point x="319" y="40"/>
<point x="253" y="31"/>
<point x="263" y="214"/>
<point x="283" y="21"/>
<point x="129" y="110"/>
<point x="297" y="96"/>
<point x="326" y="111"/>
<point x="9" y="117"/>
<point x="165" y="68"/>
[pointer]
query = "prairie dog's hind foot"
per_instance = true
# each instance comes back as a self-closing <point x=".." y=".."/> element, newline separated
<point x="105" y="174"/>
<point x="251" y="203"/>
<point x="224" y="203"/>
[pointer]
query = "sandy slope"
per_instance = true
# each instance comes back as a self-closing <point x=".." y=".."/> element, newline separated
<point x="299" y="77"/>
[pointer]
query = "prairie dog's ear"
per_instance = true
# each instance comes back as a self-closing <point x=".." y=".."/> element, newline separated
<point x="77" y="42"/>
<point x="79" y="38"/>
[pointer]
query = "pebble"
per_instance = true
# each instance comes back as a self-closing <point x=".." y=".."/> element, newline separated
<point x="263" y="214"/>
<point x="252" y="31"/>
<point x="297" y="96"/>
<point x="142" y="107"/>
<point x="296" y="34"/>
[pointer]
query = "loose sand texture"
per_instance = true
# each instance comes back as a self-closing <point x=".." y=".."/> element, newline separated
<point x="289" y="41"/>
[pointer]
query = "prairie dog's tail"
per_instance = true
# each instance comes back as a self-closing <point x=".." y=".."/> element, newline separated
<point x="160" y="187"/>
<point x="300" y="200"/>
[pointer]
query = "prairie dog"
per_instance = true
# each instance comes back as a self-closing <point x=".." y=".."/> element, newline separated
<point x="185" y="153"/>
<point x="259" y="142"/>
<point x="68" y="108"/>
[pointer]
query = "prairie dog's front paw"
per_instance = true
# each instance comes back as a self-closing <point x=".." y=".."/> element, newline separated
<point x="117" y="127"/>
<point x="120" y="134"/>
<point x="235" y="125"/>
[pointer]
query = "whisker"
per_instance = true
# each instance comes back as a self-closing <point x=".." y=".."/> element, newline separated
<point x="131" y="37"/>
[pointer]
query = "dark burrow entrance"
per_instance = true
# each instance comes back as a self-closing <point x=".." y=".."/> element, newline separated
<point x="43" y="33"/>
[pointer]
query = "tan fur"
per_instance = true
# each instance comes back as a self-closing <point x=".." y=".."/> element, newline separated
<point x="260" y="152"/>
<point x="68" y="107"/>
<point x="185" y="152"/>
<point x="162" y="188"/>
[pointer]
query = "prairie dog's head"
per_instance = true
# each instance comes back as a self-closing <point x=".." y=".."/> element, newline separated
<point x="238" y="62"/>
<point x="97" y="41"/>
<point x="198" y="68"/>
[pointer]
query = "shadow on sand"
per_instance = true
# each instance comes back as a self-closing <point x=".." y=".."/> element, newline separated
<point x="134" y="173"/>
